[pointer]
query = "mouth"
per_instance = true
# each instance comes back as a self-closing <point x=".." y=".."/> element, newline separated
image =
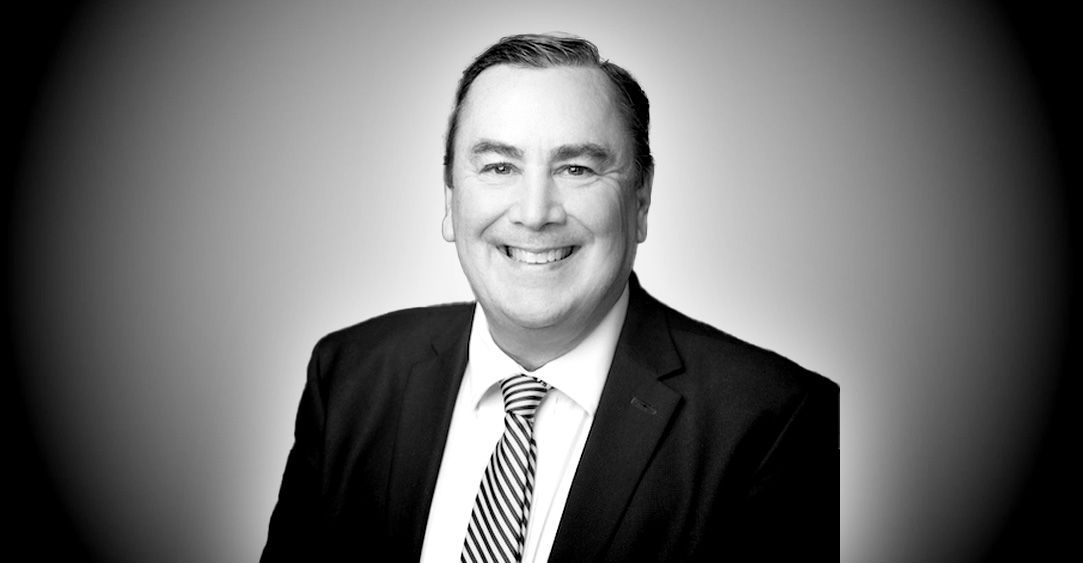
<point x="547" y="256"/>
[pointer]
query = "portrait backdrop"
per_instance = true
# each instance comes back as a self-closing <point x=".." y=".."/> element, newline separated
<point x="206" y="188"/>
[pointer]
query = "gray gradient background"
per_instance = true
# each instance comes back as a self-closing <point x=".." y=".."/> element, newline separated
<point x="861" y="186"/>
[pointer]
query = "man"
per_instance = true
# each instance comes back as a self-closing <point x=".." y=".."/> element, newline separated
<point x="568" y="415"/>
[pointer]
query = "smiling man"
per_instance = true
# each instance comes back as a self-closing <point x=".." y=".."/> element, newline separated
<point x="566" y="415"/>
<point x="545" y="204"/>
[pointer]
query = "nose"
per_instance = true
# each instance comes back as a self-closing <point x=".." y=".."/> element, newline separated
<point x="537" y="202"/>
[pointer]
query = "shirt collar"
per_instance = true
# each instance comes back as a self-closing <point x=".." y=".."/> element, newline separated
<point x="580" y="373"/>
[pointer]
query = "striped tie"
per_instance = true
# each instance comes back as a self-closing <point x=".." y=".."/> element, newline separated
<point x="497" y="528"/>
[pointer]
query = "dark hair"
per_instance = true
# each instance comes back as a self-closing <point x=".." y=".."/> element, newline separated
<point x="545" y="51"/>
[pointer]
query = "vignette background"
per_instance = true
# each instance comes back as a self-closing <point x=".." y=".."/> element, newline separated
<point x="870" y="188"/>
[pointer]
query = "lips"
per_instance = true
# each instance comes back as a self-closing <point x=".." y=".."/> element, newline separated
<point x="546" y="256"/>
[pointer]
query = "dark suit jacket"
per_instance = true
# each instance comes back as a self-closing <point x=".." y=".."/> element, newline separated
<point x="703" y="447"/>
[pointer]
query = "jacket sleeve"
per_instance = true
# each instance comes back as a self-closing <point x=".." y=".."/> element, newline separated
<point x="791" y="510"/>
<point x="296" y="521"/>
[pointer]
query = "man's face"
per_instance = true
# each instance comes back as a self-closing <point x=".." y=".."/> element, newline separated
<point x="543" y="210"/>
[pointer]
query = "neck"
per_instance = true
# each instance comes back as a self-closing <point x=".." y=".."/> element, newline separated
<point x="533" y="349"/>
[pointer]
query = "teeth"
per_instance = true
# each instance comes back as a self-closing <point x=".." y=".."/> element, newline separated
<point x="543" y="257"/>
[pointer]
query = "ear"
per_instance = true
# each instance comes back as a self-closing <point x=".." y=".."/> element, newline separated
<point x="448" y="226"/>
<point x="643" y="204"/>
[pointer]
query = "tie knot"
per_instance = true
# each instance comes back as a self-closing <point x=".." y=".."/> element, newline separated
<point x="523" y="394"/>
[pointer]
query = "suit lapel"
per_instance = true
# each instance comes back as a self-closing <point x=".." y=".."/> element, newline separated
<point x="632" y="415"/>
<point x="428" y="402"/>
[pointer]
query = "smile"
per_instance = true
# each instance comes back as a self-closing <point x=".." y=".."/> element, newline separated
<point x="538" y="257"/>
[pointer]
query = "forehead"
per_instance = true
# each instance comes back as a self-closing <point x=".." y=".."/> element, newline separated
<point x="558" y="104"/>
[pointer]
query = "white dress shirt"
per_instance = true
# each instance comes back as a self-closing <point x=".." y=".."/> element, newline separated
<point x="561" y="425"/>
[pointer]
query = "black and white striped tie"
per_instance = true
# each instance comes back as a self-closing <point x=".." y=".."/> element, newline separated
<point x="497" y="528"/>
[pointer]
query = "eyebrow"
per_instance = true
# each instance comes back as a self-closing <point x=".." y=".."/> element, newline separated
<point x="591" y="150"/>
<point x="486" y="146"/>
<point x="563" y="152"/>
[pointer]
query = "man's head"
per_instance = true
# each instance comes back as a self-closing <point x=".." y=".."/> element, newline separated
<point x="548" y="51"/>
<point x="547" y="187"/>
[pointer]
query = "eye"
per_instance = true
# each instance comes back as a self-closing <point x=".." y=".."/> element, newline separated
<point x="500" y="168"/>
<point x="577" y="170"/>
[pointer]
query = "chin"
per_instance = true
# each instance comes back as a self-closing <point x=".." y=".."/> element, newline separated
<point x="533" y="319"/>
<point x="530" y="314"/>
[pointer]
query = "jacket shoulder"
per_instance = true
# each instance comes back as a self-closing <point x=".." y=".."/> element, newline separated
<point x="740" y="366"/>
<point x="407" y="333"/>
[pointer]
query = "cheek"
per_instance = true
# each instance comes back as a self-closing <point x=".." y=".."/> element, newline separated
<point x="606" y="215"/>
<point x="473" y="211"/>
